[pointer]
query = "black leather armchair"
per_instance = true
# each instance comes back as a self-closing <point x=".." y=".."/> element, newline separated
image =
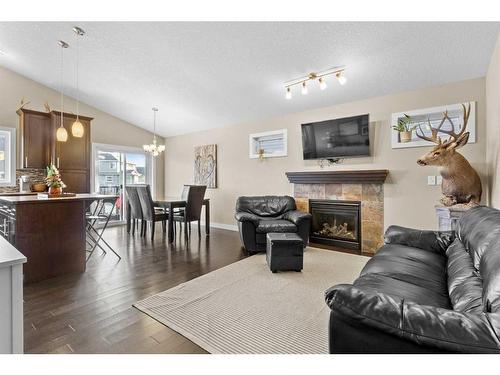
<point x="257" y="216"/>
<point x="424" y="292"/>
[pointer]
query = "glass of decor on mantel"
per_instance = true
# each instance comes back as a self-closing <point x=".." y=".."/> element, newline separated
<point x="53" y="180"/>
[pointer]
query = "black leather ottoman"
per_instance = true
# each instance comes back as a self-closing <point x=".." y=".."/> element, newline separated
<point x="284" y="252"/>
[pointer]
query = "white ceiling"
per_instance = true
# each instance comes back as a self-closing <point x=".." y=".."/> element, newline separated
<point x="206" y="75"/>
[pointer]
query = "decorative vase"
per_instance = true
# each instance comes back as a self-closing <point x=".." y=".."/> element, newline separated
<point x="405" y="136"/>
<point x="55" y="190"/>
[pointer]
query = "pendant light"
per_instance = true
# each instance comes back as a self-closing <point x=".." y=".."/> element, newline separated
<point x="62" y="134"/>
<point x="77" y="128"/>
<point x="154" y="148"/>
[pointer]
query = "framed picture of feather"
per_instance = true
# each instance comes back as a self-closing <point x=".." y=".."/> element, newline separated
<point x="205" y="166"/>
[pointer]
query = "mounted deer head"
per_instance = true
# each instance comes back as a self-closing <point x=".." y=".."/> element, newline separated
<point x="461" y="183"/>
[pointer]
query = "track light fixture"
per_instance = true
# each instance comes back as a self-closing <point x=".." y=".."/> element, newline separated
<point x="304" y="88"/>
<point x="320" y="77"/>
<point x="341" y="78"/>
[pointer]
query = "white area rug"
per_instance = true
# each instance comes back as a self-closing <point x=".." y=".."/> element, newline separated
<point x="244" y="308"/>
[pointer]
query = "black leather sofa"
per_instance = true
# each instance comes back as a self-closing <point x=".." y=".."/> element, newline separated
<point x="424" y="292"/>
<point x="257" y="216"/>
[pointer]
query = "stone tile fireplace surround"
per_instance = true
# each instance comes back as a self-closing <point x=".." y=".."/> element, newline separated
<point x="364" y="186"/>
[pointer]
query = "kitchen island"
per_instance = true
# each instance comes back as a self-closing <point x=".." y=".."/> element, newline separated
<point x="50" y="233"/>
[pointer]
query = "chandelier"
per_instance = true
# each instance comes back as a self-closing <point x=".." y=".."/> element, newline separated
<point x="319" y="76"/>
<point x="154" y="148"/>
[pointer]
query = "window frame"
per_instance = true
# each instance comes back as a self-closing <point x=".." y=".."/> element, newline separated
<point x="10" y="157"/>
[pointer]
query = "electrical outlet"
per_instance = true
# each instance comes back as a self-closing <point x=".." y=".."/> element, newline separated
<point x="439" y="180"/>
<point x="431" y="180"/>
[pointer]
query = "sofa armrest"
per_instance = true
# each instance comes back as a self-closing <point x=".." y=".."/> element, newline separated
<point x="436" y="327"/>
<point x="246" y="216"/>
<point x="296" y="216"/>
<point x="429" y="240"/>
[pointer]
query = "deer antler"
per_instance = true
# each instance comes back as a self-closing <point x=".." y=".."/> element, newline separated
<point x="434" y="131"/>
<point x="453" y="136"/>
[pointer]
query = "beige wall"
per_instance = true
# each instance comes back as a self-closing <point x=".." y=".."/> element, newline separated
<point x="408" y="199"/>
<point x="105" y="128"/>
<point x="493" y="126"/>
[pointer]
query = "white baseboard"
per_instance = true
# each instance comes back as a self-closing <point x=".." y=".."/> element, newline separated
<point x="231" y="227"/>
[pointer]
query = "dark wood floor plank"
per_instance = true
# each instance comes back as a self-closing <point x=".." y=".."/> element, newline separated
<point x="93" y="313"/>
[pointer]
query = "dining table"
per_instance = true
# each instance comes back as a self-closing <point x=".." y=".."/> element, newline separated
<point x="169" y="204"/>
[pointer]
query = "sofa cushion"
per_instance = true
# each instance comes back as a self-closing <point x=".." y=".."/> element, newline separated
<point x="464" y="285"/>
<point x="266" y="206"/>
<point x="411" y="261"/>
<point x="278" y="226"/>
<point x="490" y="273"/>
<point x="477" y="230"/>
<point x="401" y="287"/>
<point x="407" y="273"/>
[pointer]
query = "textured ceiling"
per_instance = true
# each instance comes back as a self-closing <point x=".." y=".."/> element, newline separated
<point x="205" y="75"/>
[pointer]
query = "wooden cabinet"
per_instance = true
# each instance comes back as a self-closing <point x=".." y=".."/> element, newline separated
<point x="72" y="157"/>
<point x="36" y="139"/>
<point x="39" y="147"/>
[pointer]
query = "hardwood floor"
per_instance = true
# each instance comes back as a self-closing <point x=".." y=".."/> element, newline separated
<point x="92" y="312"/>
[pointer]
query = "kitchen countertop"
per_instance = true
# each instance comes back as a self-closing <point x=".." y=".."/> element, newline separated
<point x="9" y="254"/>
<point x="16" y="194"/>
<point x="33" y="198"/>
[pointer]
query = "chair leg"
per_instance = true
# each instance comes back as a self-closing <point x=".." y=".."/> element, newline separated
<point x="164" y="226"/>
<point x="143" y="228"/>
<point x="189" y="226"/>
<point x="153" y="230"/>
<point x="199" y="228"/>
<point x="133" y="226"/>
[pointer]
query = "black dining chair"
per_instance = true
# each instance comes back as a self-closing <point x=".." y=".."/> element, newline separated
<point x="150" y="213"/>
<point x="135" y="207"/>
<point x="194" y="195"/>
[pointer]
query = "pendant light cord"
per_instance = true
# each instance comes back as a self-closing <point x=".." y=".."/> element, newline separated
<point x="62" y="84"/>
<point x="77" y="82"/>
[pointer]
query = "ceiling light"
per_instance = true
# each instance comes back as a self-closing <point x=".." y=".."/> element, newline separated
<point x="61" y="133"/>
<point x="322" y="83"/>
<point x="313" y="76"/>
<point x="304" y="88"/>
<point x="154" y="148"/>
<point x="341" y="78"/>
<point x="77" y="128"/>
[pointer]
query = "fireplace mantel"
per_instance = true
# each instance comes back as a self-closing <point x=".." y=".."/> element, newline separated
<point x="373" y="176"/>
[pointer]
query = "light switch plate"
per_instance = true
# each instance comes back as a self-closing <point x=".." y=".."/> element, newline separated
<point x="439" y="180"/>
<point x="431" y="180"/>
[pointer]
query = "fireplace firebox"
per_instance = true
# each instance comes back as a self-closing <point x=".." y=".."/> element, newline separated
<point x="336" y="223"/>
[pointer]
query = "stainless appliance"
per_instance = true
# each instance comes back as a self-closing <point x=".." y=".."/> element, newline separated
<point x="24" y="184"/>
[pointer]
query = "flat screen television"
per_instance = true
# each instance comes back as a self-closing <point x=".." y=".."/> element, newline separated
<point x="339" y="138"/>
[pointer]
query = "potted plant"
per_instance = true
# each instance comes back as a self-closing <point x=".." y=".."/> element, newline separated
<point x="53" y="180"/>
<point x="404" y="128"/>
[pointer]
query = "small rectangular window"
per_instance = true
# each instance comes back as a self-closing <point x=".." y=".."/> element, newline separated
<point x="7" y="156"/>
<point x="268" y="144"/>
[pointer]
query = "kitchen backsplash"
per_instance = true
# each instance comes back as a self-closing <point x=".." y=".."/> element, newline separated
<point x="35" y="175"/>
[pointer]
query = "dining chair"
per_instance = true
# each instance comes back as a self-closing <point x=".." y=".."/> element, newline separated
<point x="194" y="195"/>
<point x="150" y="213"/>
<point x="135" y="207"/>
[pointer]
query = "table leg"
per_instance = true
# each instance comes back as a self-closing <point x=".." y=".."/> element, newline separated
<point x="207" y="218"/>
<point x="129" y="215"/>
<point x="170" y="223"/>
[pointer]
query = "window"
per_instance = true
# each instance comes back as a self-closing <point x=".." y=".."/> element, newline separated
<point x="7" y="156"/>
<point x="109" y="179"/>
<point x="268" y="144"/>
